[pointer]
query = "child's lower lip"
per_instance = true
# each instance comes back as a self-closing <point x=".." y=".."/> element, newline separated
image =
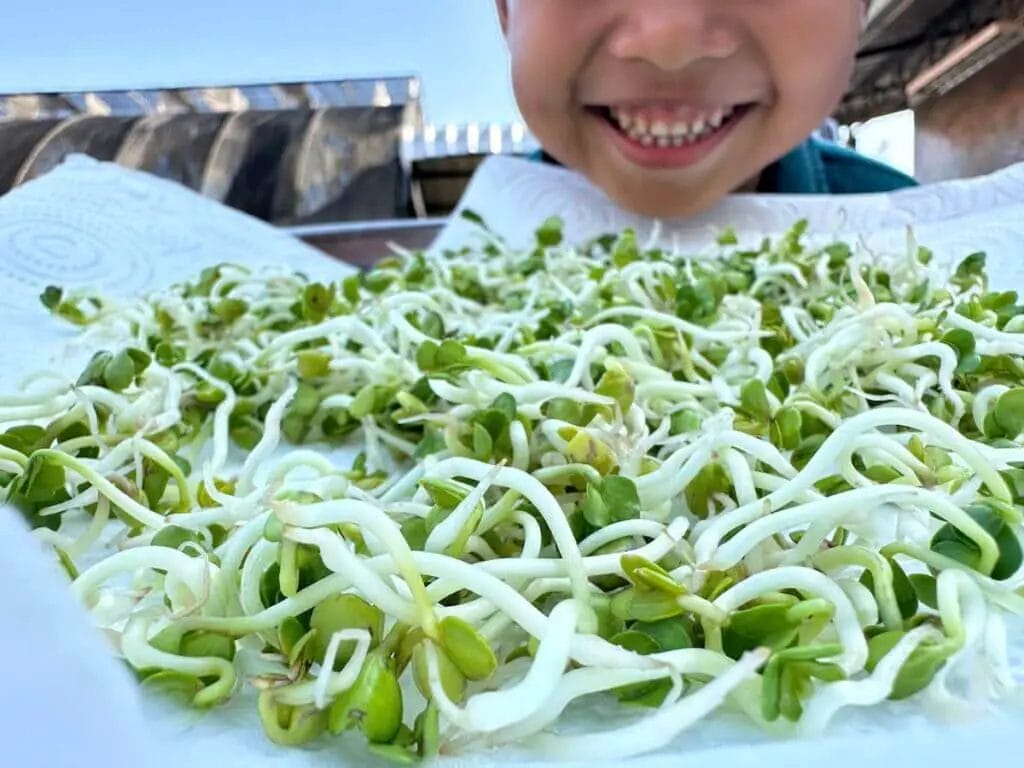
<point x="656" y="157"/>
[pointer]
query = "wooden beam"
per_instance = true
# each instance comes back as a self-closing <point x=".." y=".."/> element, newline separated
<point x="966" y="59"/>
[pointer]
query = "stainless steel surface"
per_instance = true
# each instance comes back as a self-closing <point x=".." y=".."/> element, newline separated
<point x="364" y="243"/>
<point x="361" y="228"/>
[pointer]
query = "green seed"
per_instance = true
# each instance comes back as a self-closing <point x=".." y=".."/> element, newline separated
<point x="289" y="726"/>
<point x="373" y="704"/>
<point x="453" y="682"/>
<point x="467" y="649"/>
<point x="343" y="612"/>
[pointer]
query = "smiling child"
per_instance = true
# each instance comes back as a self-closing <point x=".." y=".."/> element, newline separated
<point x="670" y="105"/>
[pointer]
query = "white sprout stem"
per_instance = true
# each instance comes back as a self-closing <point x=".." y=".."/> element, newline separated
<point x="268" y="618"/>
<point x="810" y="581"/>
<point x="47" y="408"/>
<point x="445" y="533"/>
<point x="339" y="558"/>
<point x="828" y="513"/>
<point x="657" y="730"/>
<point x="577" y="683"/>
<point x="660" y="318"/>
<point x="91" y="534"/>
<point x="624" y="529"/>
<point x="821" y="465"/>
<point x="881" y="573"/>
<point x="268" y="441"/>
<point x="141" y="655"/>
<point x="379" y="524"/>
<point x="221" y="415"/>
<point x="327" y="683"/>
<point x="193" y="571"/>
<point x="491" y="710"/>
<point x="541" y="498"/>
<point x="103" y="486"/>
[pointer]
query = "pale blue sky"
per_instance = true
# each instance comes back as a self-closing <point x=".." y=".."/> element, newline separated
<point x="454" y="45"/>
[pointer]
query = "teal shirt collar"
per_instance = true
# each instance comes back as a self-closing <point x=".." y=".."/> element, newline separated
<point x="821" y="168"/>
<point x="801" y="172"/>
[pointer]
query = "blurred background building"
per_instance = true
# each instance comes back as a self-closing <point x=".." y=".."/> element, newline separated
<point x="211" y="95"/>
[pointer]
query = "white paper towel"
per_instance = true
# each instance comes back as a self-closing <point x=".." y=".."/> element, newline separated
<point x="122" y="232"/>
<point x="118" y="232"/>
<point x="955" y="218"/>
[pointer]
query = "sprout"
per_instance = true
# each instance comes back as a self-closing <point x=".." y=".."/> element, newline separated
<point x="447" y="498"/>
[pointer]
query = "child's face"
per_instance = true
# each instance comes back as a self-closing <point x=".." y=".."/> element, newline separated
<point x="669" y="105"/>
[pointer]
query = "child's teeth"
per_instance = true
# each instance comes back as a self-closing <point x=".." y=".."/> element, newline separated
<point x="662" y="133"/>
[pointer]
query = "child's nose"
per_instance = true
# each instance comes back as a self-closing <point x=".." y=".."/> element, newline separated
<point x="671" y="34"/>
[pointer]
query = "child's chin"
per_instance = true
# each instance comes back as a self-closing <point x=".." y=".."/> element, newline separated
<point x="662" y="201"/>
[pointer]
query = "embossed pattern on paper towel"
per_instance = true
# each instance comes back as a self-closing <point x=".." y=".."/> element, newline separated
<point x="120" y="232"/>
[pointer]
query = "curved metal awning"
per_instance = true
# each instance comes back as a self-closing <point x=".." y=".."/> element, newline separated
<point x="290" y="153"/>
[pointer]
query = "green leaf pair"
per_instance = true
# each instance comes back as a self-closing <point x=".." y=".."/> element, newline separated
<point x="648" y="576"/>
<point x="317" y="300"/>
<point x="371" y="400"/>
<point x="615" y="499"/>
<point x="645" y="639"/>
<point x="918" y="671"/>
<point x="549" y="234"/>
<point x="754" y="401"/>
<point x="645" y="605"/>
<point x="313" y="364"/>
<point x="769" y="625"/>
<point x="41" y="484"/>
<point x="786" y="429"/>
<point x="80" y="311"/>
<point x="585" y="448"/>
<point x="788" y="679"/>
<point x="964" y="343"/>
<point x="906" y="594"/>
<point x="446" y="357"/>
<point x="115" y="372"/>
<point x="951" y="542"/>
<point x="617" y="384"/>
<point x="970" y="273"/>
<point x="340" y="612"/>
<point x="685" y="422"/>
<point x="1007" y="416"/>
<point x="490" y="437"/>
<point x="698" y="300"/>
<point x="711" y="480"/>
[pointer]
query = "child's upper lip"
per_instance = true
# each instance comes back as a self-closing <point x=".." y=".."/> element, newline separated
<point x="672" y="105"/>
<point x="688" y="111"/>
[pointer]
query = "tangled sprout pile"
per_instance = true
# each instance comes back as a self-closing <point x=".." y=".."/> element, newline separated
<point x="783" y="480"/>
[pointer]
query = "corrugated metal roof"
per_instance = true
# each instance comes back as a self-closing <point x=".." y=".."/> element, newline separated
<point x="286" y="152"/>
